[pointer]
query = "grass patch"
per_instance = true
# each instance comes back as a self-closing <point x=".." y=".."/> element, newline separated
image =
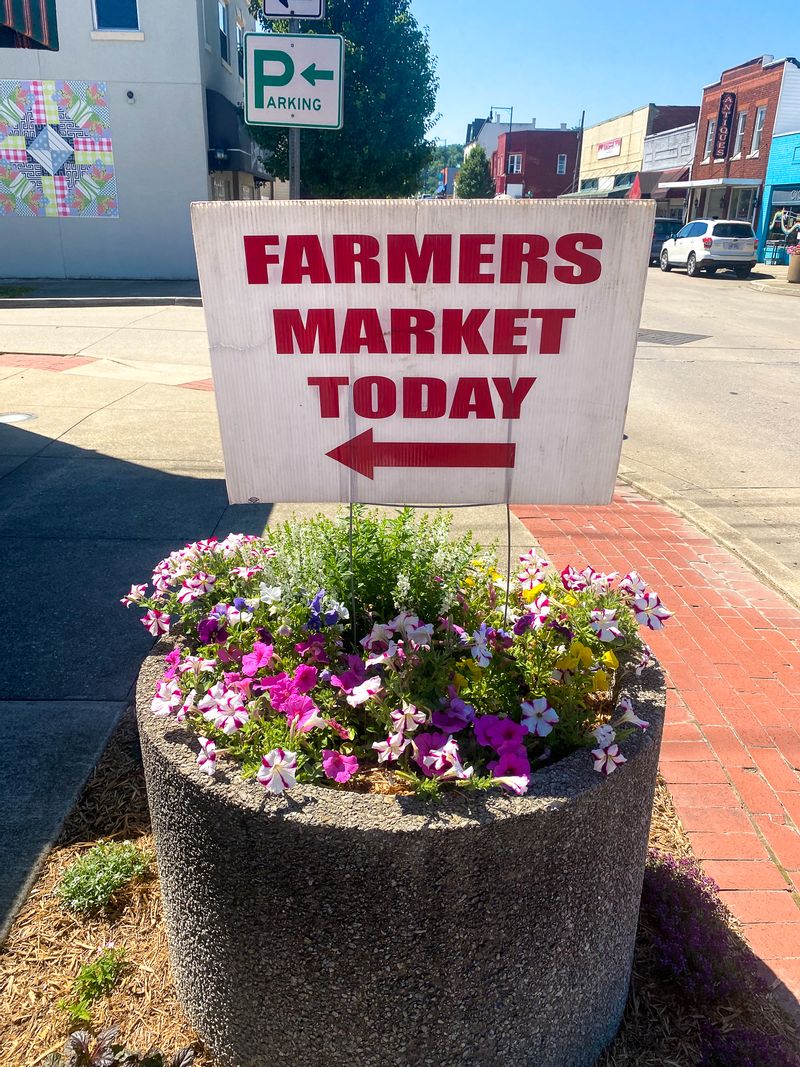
<point x="95" y="980"/>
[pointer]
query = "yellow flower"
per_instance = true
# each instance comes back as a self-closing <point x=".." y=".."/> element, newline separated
<point x="599" y="682"/>
<point x="571" y="600"/>
<point x="610" y="659"/>
<point x="583" y="654"/>
<point x="530" y="594"/>
<point x="469" y="581"/>
<point x="459" y="681"/>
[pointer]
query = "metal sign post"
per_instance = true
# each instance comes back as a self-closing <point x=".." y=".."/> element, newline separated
<point x="294" y="141"/>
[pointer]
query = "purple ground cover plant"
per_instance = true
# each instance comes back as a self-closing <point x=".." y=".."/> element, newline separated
<point x="310" y="660"/>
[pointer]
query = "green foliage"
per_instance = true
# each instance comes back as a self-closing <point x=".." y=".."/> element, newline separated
<point x="389" y="97"/>
<point x="84" y="1049"/>
<point x="451" y="155"/>
<point x="403" y="562"/>
<point x="474" y="180"/>
<point x="95" y="980"/>
<point x="91" y="880"/>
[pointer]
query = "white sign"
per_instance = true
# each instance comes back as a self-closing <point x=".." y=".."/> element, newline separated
<point x="295" y="9"/>
<point x="293" y="79"/>
<point x="609" y="148"/>
<point x="407" y="351"/>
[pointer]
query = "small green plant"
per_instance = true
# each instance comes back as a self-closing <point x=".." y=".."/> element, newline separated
<point x="95" y="980"/>
<point x="91" y="881"/>
<point x="84" y="1049"/>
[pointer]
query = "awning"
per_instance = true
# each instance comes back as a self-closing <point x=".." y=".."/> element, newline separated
<point x="710" y="183"/>
<point x="598" y="194"/>
<point x="658" y="184"/>
<point x="28" y="24"/>
<point x="229" y="147"/>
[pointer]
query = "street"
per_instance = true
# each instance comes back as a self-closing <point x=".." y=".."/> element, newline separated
<point x="714" y="418"/>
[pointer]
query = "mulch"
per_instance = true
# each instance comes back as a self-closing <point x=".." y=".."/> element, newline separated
<point x="48" y="944"/>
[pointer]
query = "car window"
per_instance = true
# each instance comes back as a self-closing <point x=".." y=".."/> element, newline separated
<point x="697" y="229"/>
<point x="733" y="229"/>
<point x="683" y="233"/>
<point x="665" y="227"/>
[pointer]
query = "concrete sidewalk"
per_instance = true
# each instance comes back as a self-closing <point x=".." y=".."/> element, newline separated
<point x="731" y="751"/>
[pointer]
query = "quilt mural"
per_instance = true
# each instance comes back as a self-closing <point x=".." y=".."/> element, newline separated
<point x="56" y="153"/>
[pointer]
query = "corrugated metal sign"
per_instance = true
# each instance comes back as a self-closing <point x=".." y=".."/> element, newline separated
<point x="422" y="351"/>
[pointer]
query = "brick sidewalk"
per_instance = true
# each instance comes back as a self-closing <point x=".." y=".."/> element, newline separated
<point x="731" y="750"/>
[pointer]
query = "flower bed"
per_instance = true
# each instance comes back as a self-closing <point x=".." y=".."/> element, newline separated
<point x="311" y="659"/>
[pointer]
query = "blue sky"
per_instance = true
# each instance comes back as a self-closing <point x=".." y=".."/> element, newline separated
<point x="551" y="59"/>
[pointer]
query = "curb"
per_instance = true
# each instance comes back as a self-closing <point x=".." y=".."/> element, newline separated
<point x="769" y="570"/>
<point x="100" y="301"/>
<point x="781" y="290"/>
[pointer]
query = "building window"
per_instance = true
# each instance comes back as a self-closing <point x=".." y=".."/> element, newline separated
<point x="710" y="131"/>
<point x="240" y="47"/>
<point x="561" y="164"/>
<point x="224" y="45"/>
<point x="116" y="15"/>
<point x="588" y="183"/>
<point x="740" y="127"/>
<point x="761" y="115"/>
<point x="621" y="180"/>
<point x="515" y="163"/>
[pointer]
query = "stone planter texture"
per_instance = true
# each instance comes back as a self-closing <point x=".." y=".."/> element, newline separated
<point x="793" y="274"/>
<point x="332" y="927"/>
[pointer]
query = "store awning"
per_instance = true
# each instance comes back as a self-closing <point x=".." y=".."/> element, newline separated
<point x="598" y="194"/>
<point x="28" y="24"/>
<point x="657" y="184"/>
<point x="710" y="183"/>
<point x="229" y="147"/>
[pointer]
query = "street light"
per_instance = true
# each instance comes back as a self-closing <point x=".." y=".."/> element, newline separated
<point x="510" y="111"/>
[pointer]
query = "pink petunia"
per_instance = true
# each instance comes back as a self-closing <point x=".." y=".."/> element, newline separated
<point x="650" y="612"/>
<point x="606" y="760"/>
<point x="337" y="766"/>
<point x="261" y="656"/>
<point x="278" y="770"/>
<point x="156" y="622"/>
<point x="207" y="758"/>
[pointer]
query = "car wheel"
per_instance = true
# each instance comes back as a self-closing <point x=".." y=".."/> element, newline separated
<point x="741" y="272"/>
<point x="691" y="266"/>
<point x="711" y="270"/>
<point x="664" y="262"/>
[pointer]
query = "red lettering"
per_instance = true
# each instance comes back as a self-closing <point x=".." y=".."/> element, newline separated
<point x="328" y="395"/>
<point x="459" y="329"/>
<point x="506" y="331"/>
<point x="471" y="256"/>
<point x="472" y="397"/>
<point x="569" y="248"/>
<point x="349" y="249"/>
<point x="424" y="398"/>
<point x="511" y="396"/>
<point x="304" y="258"/>
<point x="403" y="253"/>
<point x="552" y="328"/>
<point x="257" y="259"/>
<point x="374" y="398"/>
<point x="527" y="248"/>
<point x="362" y="329"/>
<point x="416" y="323"/>
<point x="318" y="329"/>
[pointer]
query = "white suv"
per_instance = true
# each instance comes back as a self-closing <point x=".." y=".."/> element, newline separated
<point x="708" y="244"/>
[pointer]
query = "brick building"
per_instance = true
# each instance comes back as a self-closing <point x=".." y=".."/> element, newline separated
<point x="739" y="116"/>
<point x="538" y="163"/>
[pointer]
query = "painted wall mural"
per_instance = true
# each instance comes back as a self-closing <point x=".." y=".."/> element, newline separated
<point x="56" y="152"/>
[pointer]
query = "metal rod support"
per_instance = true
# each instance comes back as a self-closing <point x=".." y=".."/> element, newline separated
<point x="294" y="141"/>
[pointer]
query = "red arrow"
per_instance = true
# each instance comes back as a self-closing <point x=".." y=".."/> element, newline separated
<point x="362" y="454"/>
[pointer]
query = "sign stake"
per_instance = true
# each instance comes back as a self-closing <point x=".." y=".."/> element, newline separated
<point x="294" y="141"/>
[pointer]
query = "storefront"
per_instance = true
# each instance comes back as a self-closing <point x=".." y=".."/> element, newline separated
<point x="659" y="185"/>
<point x="720" y="198"/>
<point x="779" y="225"/>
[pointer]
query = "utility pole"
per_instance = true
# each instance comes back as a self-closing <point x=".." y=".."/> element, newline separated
<point x="294" y="141"/>
<point x="578" y="154"/>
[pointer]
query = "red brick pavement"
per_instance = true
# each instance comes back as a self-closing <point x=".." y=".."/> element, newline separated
<point x="731" y="750"/>
<point x="43" y="362"/>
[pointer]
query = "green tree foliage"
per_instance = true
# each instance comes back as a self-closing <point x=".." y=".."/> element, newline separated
<point x="474" y="180"/>
<point x="389" y="97"/>
<point x="450" y="156"/>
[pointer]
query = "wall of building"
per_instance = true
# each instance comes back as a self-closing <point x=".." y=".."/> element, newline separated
<point x="630" y="130"/>
<point x="157" y="139"/>
<point x="490" y="132"/>
<point x="673" y="148"/>
<point x="540" y="150"/>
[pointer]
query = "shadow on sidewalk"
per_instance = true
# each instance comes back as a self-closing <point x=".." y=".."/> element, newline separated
<point x="76" y="529"/>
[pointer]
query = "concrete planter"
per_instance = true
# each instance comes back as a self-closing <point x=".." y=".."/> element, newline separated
<point x="794" y="269"/>
<point x="334" y="927"/>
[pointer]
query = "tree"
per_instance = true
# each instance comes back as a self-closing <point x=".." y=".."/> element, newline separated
<point x="474" y="180"/>
<point x="450" y="156"/>
<point x="390" y="88"/>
